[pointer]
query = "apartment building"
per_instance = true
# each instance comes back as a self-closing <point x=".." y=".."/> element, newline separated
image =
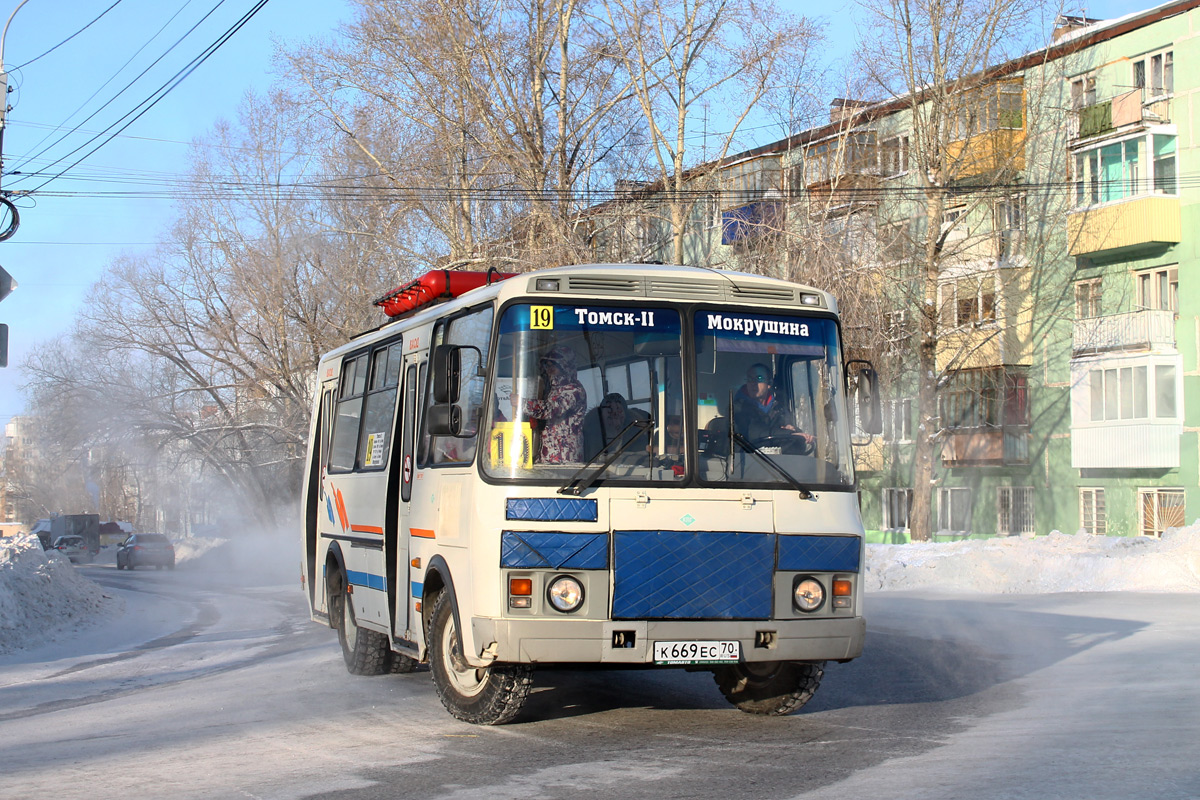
<point x="1068" y="312"/>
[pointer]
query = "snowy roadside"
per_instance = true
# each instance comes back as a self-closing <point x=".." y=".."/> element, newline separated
<point x="1060" y="562"/>
<point x="43" y="598"/>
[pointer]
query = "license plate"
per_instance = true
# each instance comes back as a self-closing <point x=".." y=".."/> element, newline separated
<point x="697" y="652"/>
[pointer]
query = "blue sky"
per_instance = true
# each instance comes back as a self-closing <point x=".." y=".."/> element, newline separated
<point x="64" y="243"/>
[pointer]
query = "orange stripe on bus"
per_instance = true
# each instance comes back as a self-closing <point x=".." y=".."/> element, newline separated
<point x="366" y="529"/>
<point x="422" y="533"/>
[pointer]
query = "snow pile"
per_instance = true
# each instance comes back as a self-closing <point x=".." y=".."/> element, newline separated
<point x="42" y="595"/>
<point x="1059" y="562"/>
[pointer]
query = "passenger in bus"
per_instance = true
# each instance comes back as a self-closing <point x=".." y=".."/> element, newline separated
<point x="560" y="409"/>
<point x="760" y="412"/>
<point x="606" y="421"/>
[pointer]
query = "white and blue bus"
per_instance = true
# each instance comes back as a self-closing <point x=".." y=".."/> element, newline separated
<point x="627" y="465"/>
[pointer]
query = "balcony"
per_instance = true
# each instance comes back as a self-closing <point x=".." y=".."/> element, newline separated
<point x="983" y="447"/>
<point x="1123" y="113"/>
<point x="1134" y="222"/>
<point x="1145" y="329"/>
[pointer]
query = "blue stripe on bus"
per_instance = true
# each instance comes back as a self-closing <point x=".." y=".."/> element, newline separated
<point x="367" y="579"/>
<point x="551" y="509"/>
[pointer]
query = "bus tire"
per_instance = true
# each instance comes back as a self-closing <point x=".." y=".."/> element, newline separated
<point x="400" y="664"/>
<point x="771" y="688"/>
<point x="490" y="696"/>
<point x="365" y="652"/>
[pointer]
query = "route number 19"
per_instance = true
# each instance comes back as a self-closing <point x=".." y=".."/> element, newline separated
<point x="541" y="318"/>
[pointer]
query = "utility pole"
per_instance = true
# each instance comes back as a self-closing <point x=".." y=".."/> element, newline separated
<point x="7" y="284"/>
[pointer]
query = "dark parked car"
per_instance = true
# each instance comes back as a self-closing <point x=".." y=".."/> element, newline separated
<point x="141" y="549"/>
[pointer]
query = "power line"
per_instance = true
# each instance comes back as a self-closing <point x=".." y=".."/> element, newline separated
<point x="112" y="77"/>
<point x="69" y="38"/>
<point x="139" y="76"/>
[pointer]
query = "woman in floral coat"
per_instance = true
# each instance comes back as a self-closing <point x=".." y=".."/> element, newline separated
<point x="561" y="410"/>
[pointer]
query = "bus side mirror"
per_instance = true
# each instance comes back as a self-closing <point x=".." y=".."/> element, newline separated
<point x="445" y="420"/>
<point x="870" y="417"/>
<point x="447" y="373"/>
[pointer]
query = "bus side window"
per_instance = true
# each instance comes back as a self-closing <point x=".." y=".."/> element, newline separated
<point x="408" y="414"/>
<point x="379" y="406"/>
<point x="349" y="410"/>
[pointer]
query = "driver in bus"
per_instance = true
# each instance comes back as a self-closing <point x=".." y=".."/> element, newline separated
<point x="760" y="413"/>
<point x="560" y="409"/>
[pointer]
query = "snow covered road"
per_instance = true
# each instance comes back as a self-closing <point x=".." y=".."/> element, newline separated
<point x="214" y="687"/>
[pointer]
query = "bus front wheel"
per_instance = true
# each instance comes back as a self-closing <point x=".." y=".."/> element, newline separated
<point x="365" y="652"/>
<point x="489" y="696"/>
<point x="771" y="688"/>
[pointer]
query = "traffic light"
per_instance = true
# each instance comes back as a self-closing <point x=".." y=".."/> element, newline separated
<point x="7" y="284"/>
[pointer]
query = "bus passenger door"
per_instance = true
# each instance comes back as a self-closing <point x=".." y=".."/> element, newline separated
<point x="319" y="513"/>
<point x="414" y="374"/>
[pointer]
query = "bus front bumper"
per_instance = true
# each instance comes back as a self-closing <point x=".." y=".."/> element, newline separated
<point x="550" y="641"/>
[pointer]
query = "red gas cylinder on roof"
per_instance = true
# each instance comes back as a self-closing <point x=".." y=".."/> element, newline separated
<point x="439" y="284"/>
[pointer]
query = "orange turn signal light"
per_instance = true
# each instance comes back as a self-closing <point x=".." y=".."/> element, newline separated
<point x="520" y="586"/>
<point x="841" y="588"/>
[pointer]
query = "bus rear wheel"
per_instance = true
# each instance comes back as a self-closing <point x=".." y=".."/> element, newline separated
<point x="365" y="652"/>
<point x="771" y="688"/>
<point x="489" y="696"/>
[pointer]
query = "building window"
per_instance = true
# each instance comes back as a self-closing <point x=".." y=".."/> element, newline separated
<point x="1083" y="92"/>
<point x="984" y="398"/>
<point x="1155" y="75"/>
<point x="1133" y="392"/>
<point x="969" y="301"/>
<point x="1092" y="516"/>
<point x="1158" y="288"/>
<point x="1008" y="223"/>
<point x="1087" y="299"/>
<point x="897" y="420"/>
<point x="1016" y="510"/>
<point x="1117" y="170"/>
<point x="893" y="156"/>
<point x="1160" y="509"/>
<point x="897" y="505"/>
<point x="954" y="510"/>
<point x="895" y="331"/>
<point x="1119" y="393"/>
<point x="749" y="180"/>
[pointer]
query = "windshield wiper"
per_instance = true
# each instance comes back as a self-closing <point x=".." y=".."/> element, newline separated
<point x="576" y="486"/>
<point x="753" y="449"/>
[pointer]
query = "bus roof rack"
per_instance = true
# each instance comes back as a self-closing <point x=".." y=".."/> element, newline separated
<point x="435" y="285"/>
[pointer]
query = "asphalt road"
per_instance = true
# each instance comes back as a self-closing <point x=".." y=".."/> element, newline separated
<point x="219" y="686"/>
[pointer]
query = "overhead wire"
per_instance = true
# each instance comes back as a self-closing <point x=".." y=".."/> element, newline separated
<point x="100" y="88"/>
<point x="139" y="76"/>
<point x="69" y="38"/>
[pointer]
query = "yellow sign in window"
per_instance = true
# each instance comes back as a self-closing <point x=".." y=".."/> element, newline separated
<point x="541" y="318"/>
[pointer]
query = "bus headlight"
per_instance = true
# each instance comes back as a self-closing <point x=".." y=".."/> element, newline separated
<point x="565" y="594"/>
<point x="808" y="594"/>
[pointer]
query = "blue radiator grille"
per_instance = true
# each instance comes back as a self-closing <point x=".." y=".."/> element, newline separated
<point x="692" y="575"/>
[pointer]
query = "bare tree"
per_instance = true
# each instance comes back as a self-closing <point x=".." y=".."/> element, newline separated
<point x="686" y="55"/>
<point x="969" y="137"/>
<point x="490" y="120"/>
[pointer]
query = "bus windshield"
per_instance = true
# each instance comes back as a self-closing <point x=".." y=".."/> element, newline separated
<point x="587" y="383"/>
<point x="771" y="405"/>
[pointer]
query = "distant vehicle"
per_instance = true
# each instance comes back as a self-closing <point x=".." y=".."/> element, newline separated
<point x="146" y="549"/>
<point x="86" y="526"/>
<point x="73" y="547"/>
